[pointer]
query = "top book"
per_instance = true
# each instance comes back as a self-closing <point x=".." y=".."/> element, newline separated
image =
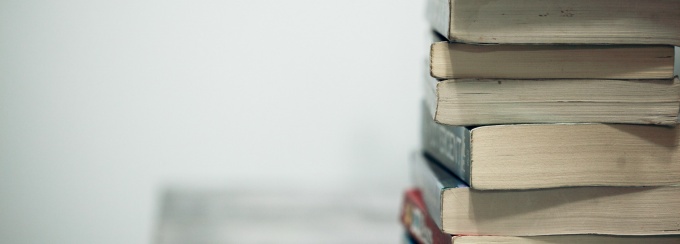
<point x="557" y="22"/>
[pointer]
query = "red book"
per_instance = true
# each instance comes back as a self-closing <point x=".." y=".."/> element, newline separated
<point x="418" y="222"/>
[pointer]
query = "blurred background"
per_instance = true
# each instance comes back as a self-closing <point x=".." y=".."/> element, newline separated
<point x="198" y="121"/>
<point x="149" y="121"/>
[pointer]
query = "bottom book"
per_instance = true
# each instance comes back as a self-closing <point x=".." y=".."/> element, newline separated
<point x="421" y="228"/>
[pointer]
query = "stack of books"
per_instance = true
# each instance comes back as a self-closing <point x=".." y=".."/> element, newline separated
<point x="549" y="122"/>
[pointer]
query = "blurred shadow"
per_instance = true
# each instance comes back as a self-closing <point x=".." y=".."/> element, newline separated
<point x="275" y="215"/>
<point x="486" y="207"/>
<point x="663" y="136"/>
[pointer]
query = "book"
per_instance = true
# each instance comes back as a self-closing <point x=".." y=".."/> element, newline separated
<point x="450" y="60"/>
<point x="555" y="155"/>
<point x="560" y="21"/>
<point x="422" y="229"/>
<point x="459" y="209"/>
<point x="471" y="101"/>
<point x="417" y="221"/>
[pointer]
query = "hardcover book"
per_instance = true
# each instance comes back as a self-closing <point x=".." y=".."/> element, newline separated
<point x="559" y="21"/>
<point x="523" y="156"/>
<point x="458" y="209"/>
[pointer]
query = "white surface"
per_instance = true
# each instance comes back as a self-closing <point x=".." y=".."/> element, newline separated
<point x="219" y="216"/>
<point x="104" y="103"/>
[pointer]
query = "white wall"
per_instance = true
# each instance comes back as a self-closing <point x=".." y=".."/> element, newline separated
<point x="104" y="103"/>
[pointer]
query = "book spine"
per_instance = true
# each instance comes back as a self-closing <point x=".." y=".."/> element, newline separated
<point x="449" y="145"/>
<point x="438" y="13"/>
<point x="418" y="222"/>
<point x="430" y="188"/>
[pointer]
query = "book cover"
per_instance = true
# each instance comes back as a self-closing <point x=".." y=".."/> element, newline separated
<point x="417" y="221"/>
